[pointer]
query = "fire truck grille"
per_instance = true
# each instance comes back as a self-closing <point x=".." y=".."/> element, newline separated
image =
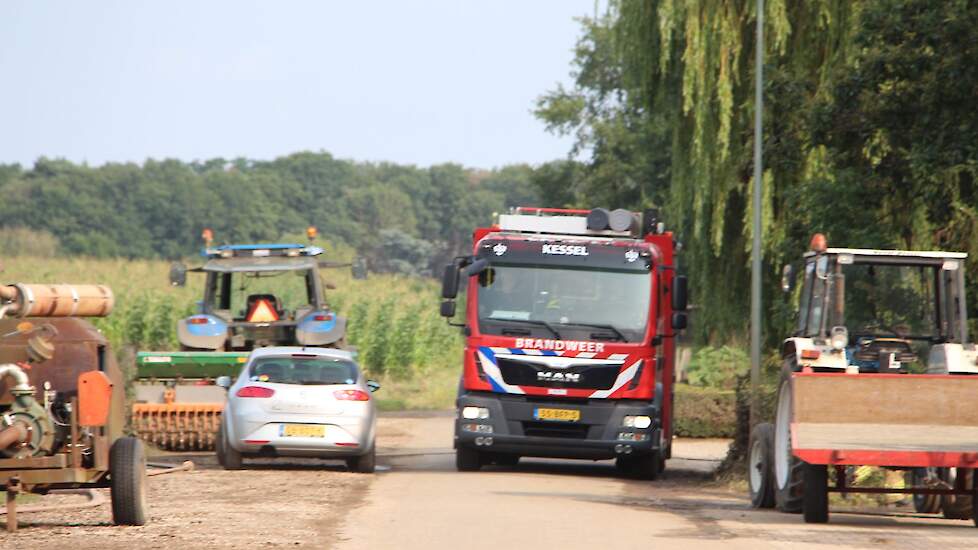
<point x="586" y="377"/>
<point x="551" y="429"/>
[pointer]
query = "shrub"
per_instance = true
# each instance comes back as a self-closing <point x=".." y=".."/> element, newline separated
<point x="717" y="367"/>
<point x="704" y="412"/>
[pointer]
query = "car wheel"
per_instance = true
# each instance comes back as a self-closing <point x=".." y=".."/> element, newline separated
<point x="815" y="500"/>
<point x="789" y="482"/>
<point x="760" y="474"/>
<point x="227" y="457"/>
<point x="467" y="460"/>
<point x="363" y="464"/>
<point x="127" y="472"/>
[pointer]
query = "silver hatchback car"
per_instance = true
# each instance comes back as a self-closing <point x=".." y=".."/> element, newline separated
<point x="304" y="402"/>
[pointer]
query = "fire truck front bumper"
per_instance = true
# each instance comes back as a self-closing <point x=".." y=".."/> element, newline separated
<point x="595" y="429"/>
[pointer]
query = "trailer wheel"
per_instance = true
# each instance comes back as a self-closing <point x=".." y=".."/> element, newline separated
<point x="467" y="460"/>
<point x="127" y="475"/>
<point x="760" y="473"/>
<point x="958" y="506"/>
<point x="227" y="457"/>
<point x="924" y="504"/>
<point x="789" y="480"/>
<point x="815" y="502"/>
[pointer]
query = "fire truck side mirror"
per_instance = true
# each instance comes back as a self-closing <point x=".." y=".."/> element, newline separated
<point x="476" y="267"/>
<point x="449" y="283"/>
<point x="178" y="274"/>
<point x="679" y="320"/>
<point x="679" y="296"/>
<point x="448" y="308"/>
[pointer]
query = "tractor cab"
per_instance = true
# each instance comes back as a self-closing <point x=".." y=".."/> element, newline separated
<point x="863" y="310"/>
<point x="261" y="295"/>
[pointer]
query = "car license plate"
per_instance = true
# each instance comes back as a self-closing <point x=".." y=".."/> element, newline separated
<point x="563" y="415"/>
<point x="303" y="430"/>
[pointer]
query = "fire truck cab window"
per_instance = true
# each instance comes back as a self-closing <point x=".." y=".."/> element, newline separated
<point x="577" y="302"/>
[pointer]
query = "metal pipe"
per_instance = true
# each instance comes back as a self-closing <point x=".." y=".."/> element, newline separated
<point x="22" y="383"/>
<point x="755" y="272"/>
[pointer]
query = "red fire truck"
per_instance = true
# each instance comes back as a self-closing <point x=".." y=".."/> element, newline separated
<point x="571" y="318"/>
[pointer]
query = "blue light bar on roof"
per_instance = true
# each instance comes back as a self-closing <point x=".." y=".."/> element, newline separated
<point x="259" y="250"/>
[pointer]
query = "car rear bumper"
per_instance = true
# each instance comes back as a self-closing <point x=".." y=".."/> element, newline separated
<point x="515" y="430"/>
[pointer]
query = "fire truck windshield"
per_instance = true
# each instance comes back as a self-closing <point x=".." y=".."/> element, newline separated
<point x="567" y="303"/>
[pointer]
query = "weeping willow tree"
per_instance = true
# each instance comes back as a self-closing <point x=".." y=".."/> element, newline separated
<point x="835" y="157"/>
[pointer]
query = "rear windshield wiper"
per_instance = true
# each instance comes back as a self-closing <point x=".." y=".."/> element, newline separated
<point x="612" y="328"/>
<point x="544" y="324"/>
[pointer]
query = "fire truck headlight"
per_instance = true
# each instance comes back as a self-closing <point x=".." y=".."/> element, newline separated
<point x="640" y="422"/>
<point x="473" y="413"/>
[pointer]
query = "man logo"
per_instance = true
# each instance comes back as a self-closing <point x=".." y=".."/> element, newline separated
<point x="499" y="249"/>
<point x="631" y="256"/>
<point x="551" y="376"/>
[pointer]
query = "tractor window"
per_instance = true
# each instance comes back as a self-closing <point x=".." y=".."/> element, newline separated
<point x="283" y="291"/>
<point x="891" y="300"/>
<point x="806" y="292"/>
<point x="816" y="304"/>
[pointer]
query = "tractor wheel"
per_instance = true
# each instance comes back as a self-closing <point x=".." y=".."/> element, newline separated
<point x="363" y="464"/>
<point x="815" y="500"/>
<point x="789" y="480"/>
<point x="467" y="460"/>
<point x="924" y="504"/>
<point x="760" y="472"/>
<point x="227" y="457"/>
<point x="958" y="506"/>
<point x="127" y="474"/>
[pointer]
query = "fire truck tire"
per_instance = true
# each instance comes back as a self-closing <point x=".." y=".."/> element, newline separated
<point x="227" y="457"/>
<point x="127" y="476"/>
<point x="467" y="460"/>
<point x="924" y="504"/>
<point x="815" y="501"/>
<point x="760" y="471"/>
<point x="958" y="506"/>
<point x="363" y="464"/>
<point x="647" y="467"/>
<point x="789" y="482"/>
<point x="506" y="460"/>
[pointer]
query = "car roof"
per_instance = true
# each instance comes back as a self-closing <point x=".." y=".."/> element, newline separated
<point x="331" y="353"/>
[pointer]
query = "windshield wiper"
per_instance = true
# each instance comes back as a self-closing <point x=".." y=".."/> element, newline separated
<point x="612" y="328"/>
<point x="544" y="324"/>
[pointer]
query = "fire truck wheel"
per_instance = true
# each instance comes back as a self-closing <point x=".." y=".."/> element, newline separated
<point x="127" y="475"/>
<point x="789" y="480"/>
<point x="760" y="472"/>
<point x="507" y="460"/>
<point x="815" y="503"/>
<point x="924" y="504"/>
<point x="227" y="457"/>
<point x="957" y="506"/>
<point x="647" y="467"/>
<point x="467" y="460"/>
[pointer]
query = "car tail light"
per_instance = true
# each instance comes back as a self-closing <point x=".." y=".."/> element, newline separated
<point x="323" y="317"/>
<point x="255" y="391"/>
<point x="197" y="320"/>
<point x="351" y="395"/>
<point x="810" y="354"/>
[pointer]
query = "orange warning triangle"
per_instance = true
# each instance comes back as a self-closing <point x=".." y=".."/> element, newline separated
<point x="262" y="312"/>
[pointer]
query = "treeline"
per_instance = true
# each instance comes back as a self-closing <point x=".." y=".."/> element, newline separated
<point x="402" y="218"/>
<point x="870" y="133"/>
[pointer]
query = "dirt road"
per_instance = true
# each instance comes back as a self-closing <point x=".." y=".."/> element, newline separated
<point x="419" y="501"/>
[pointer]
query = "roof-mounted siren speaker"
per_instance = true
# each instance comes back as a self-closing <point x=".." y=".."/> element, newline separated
<point x="650" y="222"/>
<point x="598" y="219"/>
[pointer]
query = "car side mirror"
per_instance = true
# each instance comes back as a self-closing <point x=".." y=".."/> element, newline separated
<point x="373" y="385"/>
<point x="679" y="293"/>
<point x="178" y="274"/>
<point x="449" y="282"/>
<point x="679" y="320"/>
<point x="788" y="277"/>
<point x="448" y="308"/>
<point x="223" y="381"/>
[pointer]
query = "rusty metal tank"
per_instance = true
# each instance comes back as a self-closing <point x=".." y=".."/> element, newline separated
<point x="78" y="347"/>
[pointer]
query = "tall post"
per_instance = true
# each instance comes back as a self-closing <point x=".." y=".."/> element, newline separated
<point x="755" y="272"/>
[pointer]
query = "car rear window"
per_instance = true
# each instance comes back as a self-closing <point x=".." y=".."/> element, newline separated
<point x="303" y="370"/>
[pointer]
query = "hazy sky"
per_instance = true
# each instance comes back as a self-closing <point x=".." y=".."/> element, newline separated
<point x="417" y="82"/>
